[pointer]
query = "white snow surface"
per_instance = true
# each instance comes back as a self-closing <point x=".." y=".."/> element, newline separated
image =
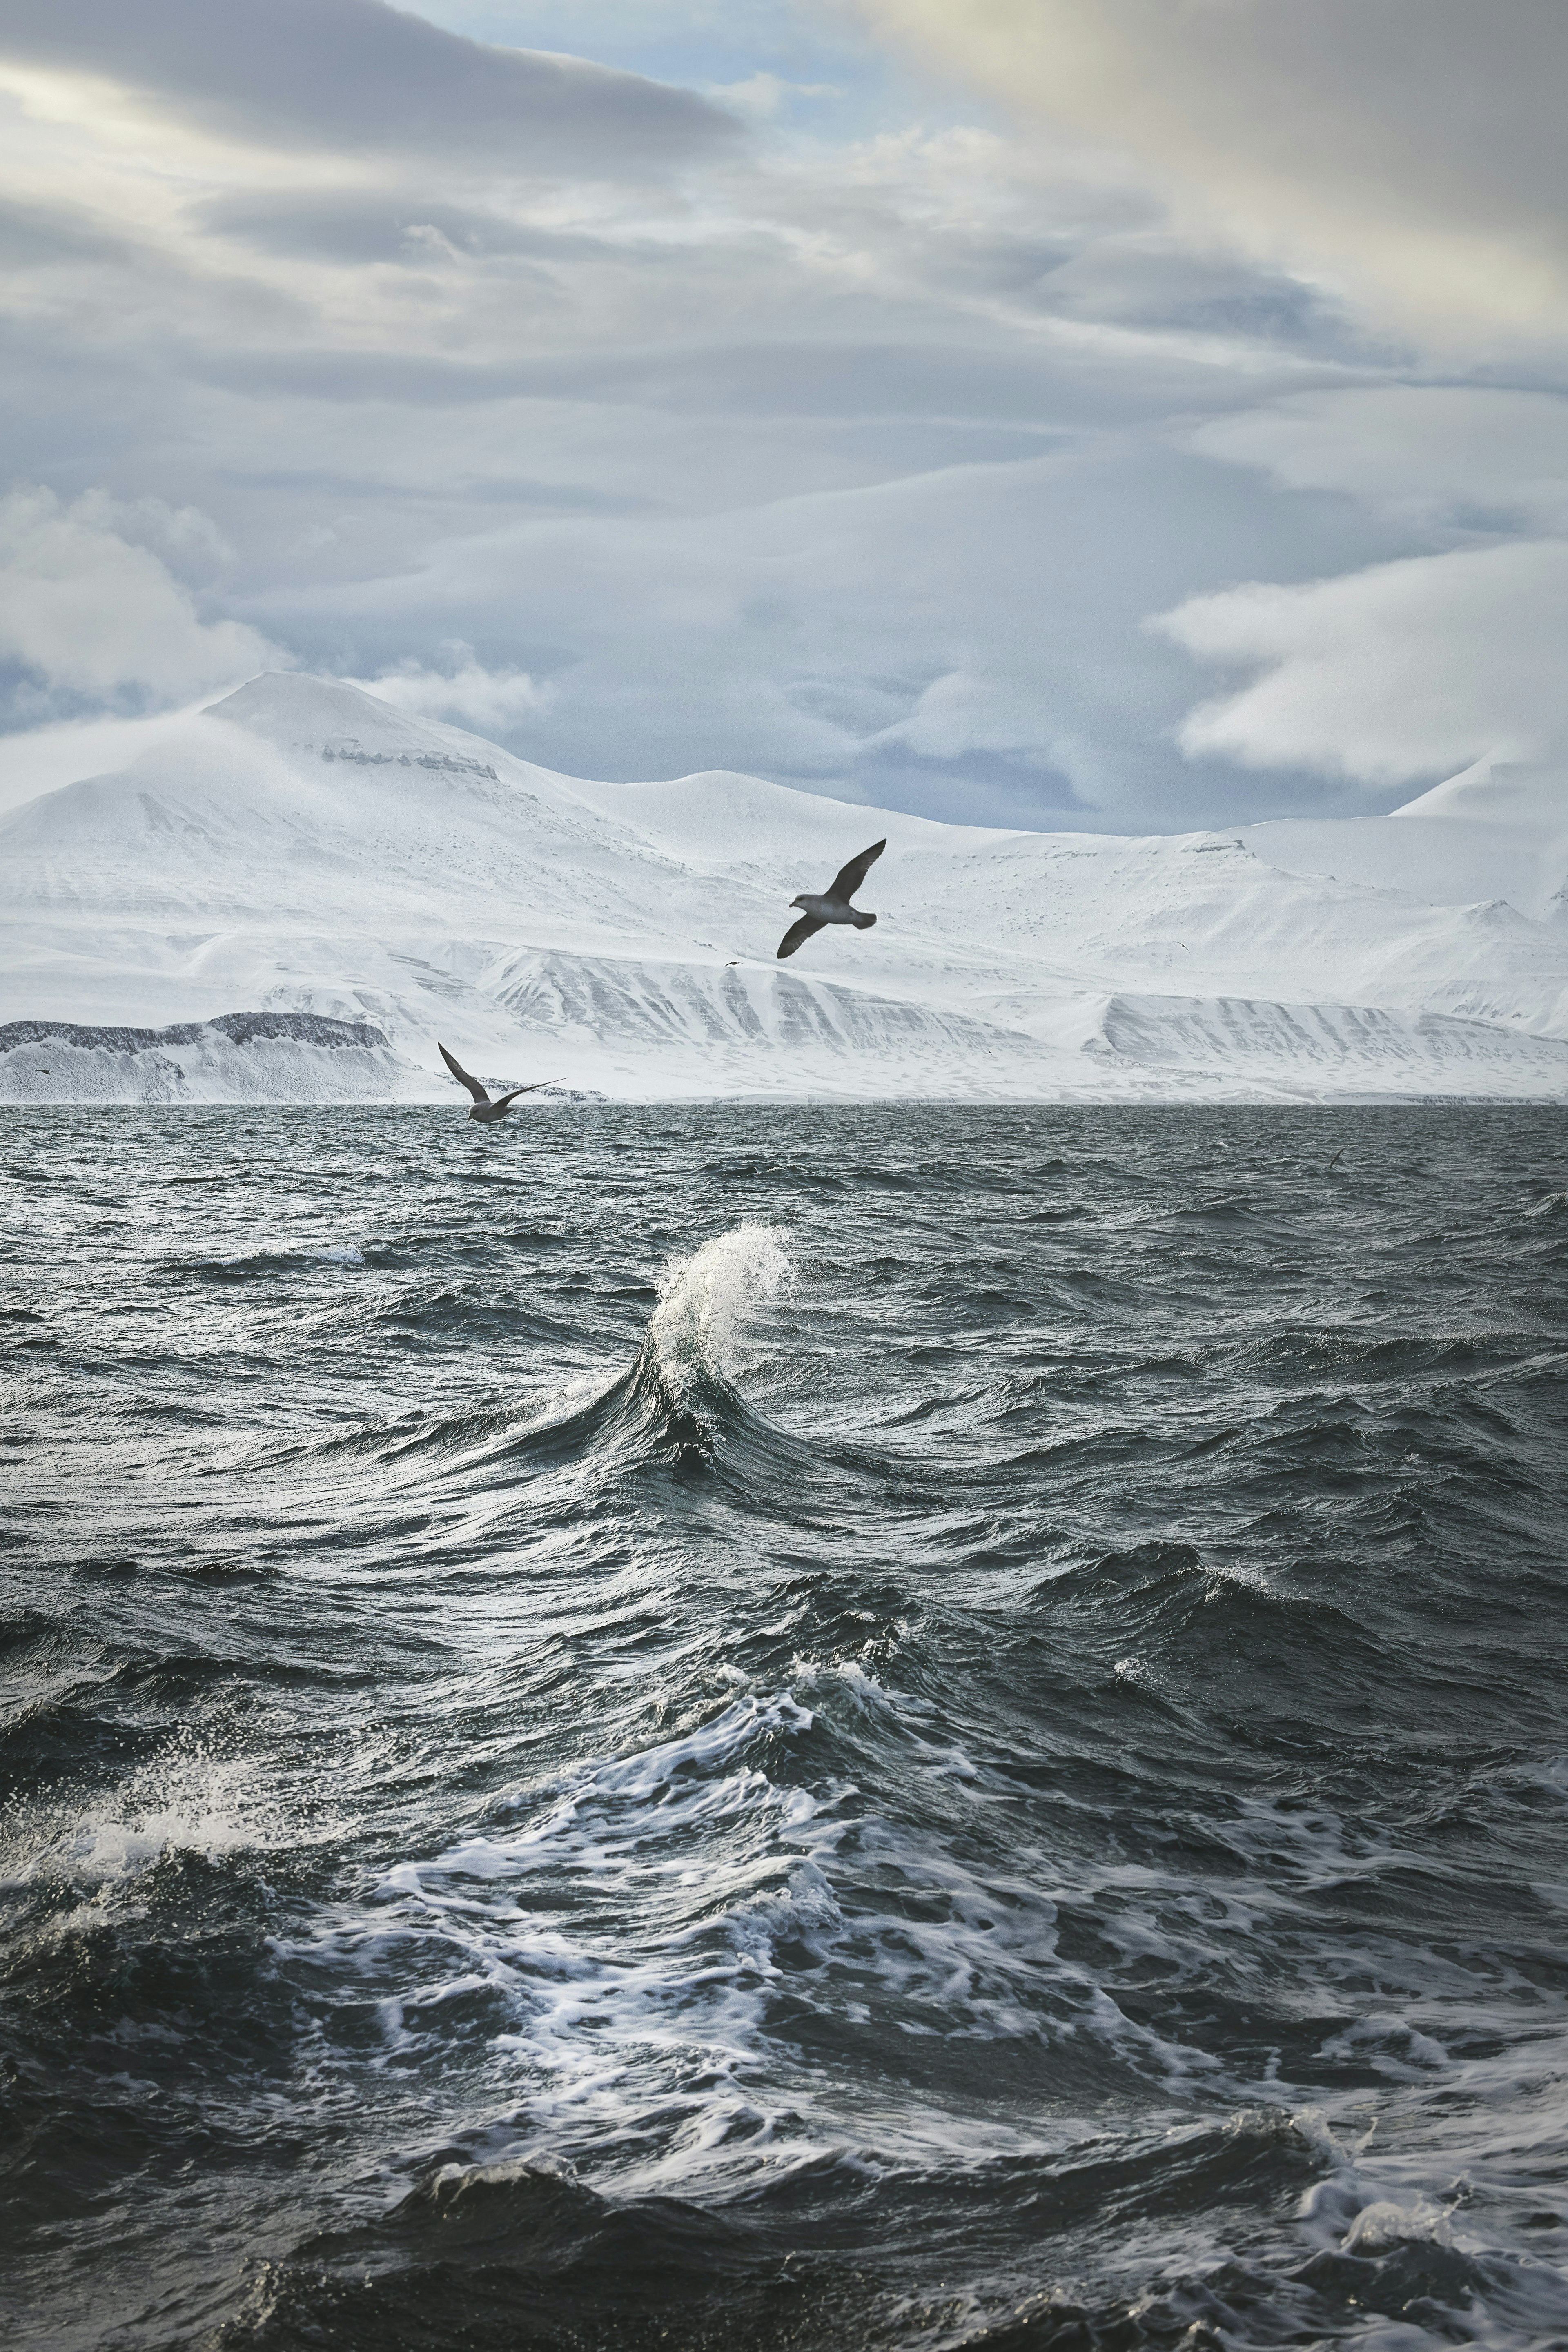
<point x="303" y="846"/>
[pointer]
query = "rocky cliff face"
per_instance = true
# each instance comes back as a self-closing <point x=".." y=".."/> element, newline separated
<point x="282" y="1057"/>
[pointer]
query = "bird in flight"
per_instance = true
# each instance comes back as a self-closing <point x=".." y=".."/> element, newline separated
<point x="484" y="1109"/>
<point x="833" y="904"/>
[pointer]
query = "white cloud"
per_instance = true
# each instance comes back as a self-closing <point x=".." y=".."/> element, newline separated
<point x="1405" y="670"/>
<point x="967" y="710"/>
<point x="41" y="758"/>
<point x="491" y="702"/>
<point x="86" y="612"/>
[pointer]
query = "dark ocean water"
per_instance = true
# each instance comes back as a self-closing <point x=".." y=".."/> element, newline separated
<point x="736" y="1726"/>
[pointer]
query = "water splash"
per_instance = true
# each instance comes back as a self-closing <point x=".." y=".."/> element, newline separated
<point x="706" y="1301"/>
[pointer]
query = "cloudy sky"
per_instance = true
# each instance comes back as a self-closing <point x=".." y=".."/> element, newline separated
<point x="1111" y="414"/>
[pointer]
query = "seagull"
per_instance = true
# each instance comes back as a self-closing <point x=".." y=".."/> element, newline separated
<point x="833" y="905"/>
<point x="484" y="1109"/>
<point x="1335" y="1161"/>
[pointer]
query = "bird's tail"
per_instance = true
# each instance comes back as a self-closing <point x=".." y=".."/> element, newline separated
<point x="863" y="922"/>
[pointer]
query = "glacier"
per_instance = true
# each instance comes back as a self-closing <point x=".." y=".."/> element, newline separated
<point x="304" y="851"/>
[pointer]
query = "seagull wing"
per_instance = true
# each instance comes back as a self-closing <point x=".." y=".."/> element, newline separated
<point x="798" y="933"/>
<point x="459" y="1072"/>
<point x="844" y="884"/>
<point x="502" y="1100"/>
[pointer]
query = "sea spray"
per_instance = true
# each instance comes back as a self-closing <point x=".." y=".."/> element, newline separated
<point x="707" y="1299"/>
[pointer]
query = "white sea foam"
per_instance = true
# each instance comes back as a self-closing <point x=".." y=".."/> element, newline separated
<point x="705" y="1301"/>
<point x="740" y="1882"/>
<point x="194" y="1799"/>
<point x="1384" y="2224"/>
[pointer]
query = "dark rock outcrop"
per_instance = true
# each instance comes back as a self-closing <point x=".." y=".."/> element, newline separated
<point x="239" y="1028"/>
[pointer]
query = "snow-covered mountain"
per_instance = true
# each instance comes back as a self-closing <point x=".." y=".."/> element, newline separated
<point x="304" y="847"/>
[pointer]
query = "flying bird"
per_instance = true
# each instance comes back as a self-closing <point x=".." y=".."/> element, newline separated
<point x="486" y="1110"/>
<point x="833" y="905"/>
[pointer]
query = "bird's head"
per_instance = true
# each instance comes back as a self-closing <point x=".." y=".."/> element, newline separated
<point x="797" y="902"/>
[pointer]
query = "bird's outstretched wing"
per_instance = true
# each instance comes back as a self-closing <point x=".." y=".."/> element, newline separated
<point x="798" y="933"/>
<point x="502" y="1101"/>
<point x="459" y="1072"/>
<point x="845" y="883"/>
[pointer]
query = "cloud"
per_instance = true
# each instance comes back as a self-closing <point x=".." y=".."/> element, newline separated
<point x="1442" y="455"/>
<point x="360" y="225"/>
<point x="857" y="463"/>
<point x="1413" y="669"/>
<point x="1410" y="151"/>
<point x="1404" y="670"/>
<point x="963" y="640"/>
<point x="490" y="701"/>
<point x="44" y="758"/>
<point x="356" y="75"/>
<point x="38" y="237"/>
<point x="87" y="612"/>
<point x="764" y="95"/>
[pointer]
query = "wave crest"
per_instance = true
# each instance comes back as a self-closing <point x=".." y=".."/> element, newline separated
<point x="705" y="1301"/>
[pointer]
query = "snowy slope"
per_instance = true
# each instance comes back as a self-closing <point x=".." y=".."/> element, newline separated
<point x="305" y="847"/>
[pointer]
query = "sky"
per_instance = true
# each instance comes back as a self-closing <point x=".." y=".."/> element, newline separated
<point x="1104" y="414"/>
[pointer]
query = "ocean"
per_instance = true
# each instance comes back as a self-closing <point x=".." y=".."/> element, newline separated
<point x="740" y="1725"/>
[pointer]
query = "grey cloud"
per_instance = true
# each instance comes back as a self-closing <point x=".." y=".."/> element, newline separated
<point x="1453" y="456"/>
<point x="1415" y="146"/>
<point x="992" y="787"/>
<point x="410" y="379"/>
<point x="801" y="376"/>
<point x="358" y="227"/>
<point x="1160" y="284"/>
<point x="378" y="224"/>
<point x="355" y="74"/>
<point x="36" y="236"/>
<point x="487" y="491"/>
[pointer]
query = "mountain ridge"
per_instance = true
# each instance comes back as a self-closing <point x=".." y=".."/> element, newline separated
<point x="303" y="846"/>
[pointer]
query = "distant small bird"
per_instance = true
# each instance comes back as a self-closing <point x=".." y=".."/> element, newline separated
<point x="484" y="1109"/>
<point x="833" y="905"/>
<point x="1335" y="1161"/>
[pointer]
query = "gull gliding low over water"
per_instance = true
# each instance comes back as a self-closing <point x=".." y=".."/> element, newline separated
<point x="485" y="1109"/>
<point x="833" y="904"/>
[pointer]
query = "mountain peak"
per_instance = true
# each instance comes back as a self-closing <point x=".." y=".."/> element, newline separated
<point x="293" y="709"/>
<point x="1498" y="792"/>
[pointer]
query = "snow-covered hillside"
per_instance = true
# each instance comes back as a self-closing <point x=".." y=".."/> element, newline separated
<point x="303" y="848"/>
<point x="286" y="1057"/>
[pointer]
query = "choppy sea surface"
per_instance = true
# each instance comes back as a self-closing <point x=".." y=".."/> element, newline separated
<point x="759" y="1727"/>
